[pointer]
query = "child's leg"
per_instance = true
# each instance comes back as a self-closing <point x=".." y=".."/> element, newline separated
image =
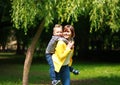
<point x="74" y="71"/>
<point x="71" y="68"/>
<point x="51" y="70"/>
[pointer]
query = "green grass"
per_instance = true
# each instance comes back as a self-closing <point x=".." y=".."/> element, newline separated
<point x="91" y="73"/>
<point x="98" y="74"/>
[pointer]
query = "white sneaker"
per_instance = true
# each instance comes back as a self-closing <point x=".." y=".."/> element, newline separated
<point x="76" y="72"/>
<point x="55" y="82"/>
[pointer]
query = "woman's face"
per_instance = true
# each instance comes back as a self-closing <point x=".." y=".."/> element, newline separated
<point x="67" y="34"/>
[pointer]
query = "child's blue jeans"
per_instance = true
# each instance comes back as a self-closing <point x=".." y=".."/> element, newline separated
<point x="51" y="70"/>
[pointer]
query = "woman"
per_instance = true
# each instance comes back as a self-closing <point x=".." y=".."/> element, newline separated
<point x="62" y="58"/>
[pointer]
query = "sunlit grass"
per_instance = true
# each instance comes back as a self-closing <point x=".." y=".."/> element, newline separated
<point x="91" y="73"/>
<point x="98" y="73"/>
<point x="97" y="70"/>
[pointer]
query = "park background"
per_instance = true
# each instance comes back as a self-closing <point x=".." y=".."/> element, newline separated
<point x="97" y="40"/>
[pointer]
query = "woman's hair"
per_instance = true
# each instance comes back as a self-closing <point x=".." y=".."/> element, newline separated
<point x="66" y="27"/>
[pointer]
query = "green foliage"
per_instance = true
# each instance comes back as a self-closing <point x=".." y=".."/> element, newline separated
<point x="23" y="13"/>
<point x="68" y="10"/>
<point x="105" y="13"/>
<point x="102" y="13"/>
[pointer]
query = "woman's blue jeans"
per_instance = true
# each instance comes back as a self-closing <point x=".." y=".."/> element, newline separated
<point x="64" y="74"/>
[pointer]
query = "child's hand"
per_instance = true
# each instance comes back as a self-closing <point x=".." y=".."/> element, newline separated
<point x="71" y="44"/>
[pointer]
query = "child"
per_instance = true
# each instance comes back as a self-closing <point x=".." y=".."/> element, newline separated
<point x="57" y="33"/>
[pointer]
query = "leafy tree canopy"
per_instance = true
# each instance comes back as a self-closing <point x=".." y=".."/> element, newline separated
<point x="105" y="13"/>
<point x="25" y="12"/>
<point x="102" y="13"/>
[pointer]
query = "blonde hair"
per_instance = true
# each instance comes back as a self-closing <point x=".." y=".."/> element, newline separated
<point x="57" y="26"/>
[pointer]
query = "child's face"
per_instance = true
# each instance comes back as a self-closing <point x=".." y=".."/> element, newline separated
<point x="58" y="31"/>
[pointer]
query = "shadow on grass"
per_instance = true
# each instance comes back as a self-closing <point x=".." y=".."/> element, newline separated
<point x="93" y="81"/>
<point x="11" y="58"/>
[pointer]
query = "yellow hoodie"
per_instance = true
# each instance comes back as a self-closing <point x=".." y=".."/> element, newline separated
<point x="62" y="52"/>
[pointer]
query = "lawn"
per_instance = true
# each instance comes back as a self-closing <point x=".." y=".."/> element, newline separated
<point x="91" y="73"/>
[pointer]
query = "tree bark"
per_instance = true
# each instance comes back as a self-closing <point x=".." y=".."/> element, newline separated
<point x="29" y="54"/>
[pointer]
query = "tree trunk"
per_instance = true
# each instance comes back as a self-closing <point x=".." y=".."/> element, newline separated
<point x="29" y="54"/>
